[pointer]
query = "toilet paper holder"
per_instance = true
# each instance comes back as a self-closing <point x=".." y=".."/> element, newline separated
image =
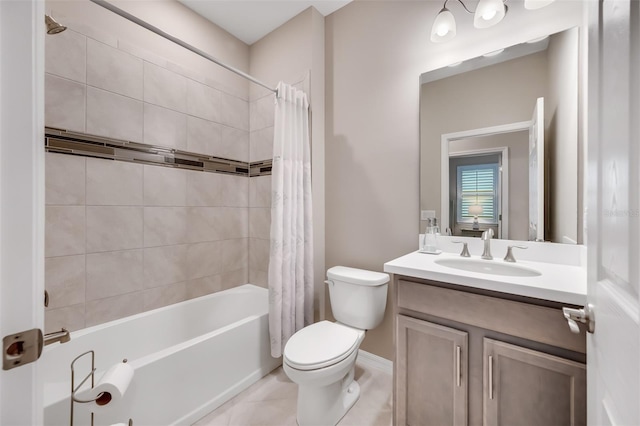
<point x="101" y="399"/>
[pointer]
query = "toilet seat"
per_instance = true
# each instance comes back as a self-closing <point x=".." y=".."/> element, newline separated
<point x="320" y="345"/>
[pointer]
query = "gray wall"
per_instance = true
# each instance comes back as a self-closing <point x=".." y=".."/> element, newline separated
<point x="375" y="53"/>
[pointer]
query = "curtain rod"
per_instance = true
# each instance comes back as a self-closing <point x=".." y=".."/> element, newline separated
<point x="177" y="41"/>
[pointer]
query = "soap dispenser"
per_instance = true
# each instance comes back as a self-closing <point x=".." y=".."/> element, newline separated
<point x="431" y="234"/>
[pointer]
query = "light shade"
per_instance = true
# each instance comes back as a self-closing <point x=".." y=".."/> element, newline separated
<point x="475" y="209"/>
<point x="489" y="13"/>
<point x="444" y="26"/>
<point x="536" y="4"/>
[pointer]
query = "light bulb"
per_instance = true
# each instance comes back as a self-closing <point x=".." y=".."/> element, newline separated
<point x="444" y="26"/>
<point x="489" y="14"/>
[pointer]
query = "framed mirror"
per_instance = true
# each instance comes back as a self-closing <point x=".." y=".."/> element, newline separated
<point x="499" y="143"/>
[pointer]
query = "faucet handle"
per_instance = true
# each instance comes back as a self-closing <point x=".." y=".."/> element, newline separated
<point x="465" y="249"/>
<point x="509" y="256"/>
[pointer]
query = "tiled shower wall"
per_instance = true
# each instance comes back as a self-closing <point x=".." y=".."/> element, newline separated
<point x="122" y="238"/>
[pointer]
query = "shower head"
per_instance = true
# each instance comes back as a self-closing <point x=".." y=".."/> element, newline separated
<point x="52" y="26"/>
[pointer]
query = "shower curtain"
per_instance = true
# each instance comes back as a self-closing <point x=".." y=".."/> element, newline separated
<point x="290" y="257"/>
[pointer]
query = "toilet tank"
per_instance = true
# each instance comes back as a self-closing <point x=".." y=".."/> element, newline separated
<point x="358" y="297"/>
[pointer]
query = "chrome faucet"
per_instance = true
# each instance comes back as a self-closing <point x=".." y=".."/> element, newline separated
<point x="61" y="336"/>
<point x="486" y="237"/>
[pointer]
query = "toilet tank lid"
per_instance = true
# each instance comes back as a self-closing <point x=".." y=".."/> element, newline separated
<point x="357" y="276"/>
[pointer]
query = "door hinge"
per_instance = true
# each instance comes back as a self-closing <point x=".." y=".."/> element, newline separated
<point x="21" y="348"/>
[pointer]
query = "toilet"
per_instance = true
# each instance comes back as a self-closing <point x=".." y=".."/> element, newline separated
<point x="321" y="358"/>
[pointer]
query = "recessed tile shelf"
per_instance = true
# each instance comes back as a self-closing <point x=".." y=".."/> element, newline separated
<point x="75" y="143"/>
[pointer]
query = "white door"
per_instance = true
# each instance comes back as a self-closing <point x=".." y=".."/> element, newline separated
<point x="613" y="187"/>
<point x="536" y="173"/>
<point x="21" y="198"/>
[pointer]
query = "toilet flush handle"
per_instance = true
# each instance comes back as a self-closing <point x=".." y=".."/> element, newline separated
<point x="328" y="282"/>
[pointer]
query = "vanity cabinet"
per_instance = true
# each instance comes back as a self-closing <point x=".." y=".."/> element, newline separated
<point x="432" y="367"/>
<point x="469" y="356"/>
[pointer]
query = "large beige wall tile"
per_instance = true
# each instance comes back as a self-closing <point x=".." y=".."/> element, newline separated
<point x="65" y="179"/>
<point x="165" y="226"/>
<point x="166" y="295"/>
<point x="114" y="228"/>
<point x="65" y="280"/>
<point x="65" y="55"/>
<point x="64" y="230"/>
<point x="234" y="191"/>
<point x="203" y="101"/>
<point x="64" y="103"/>
<point x="165" y="127"/>
<point x="112" y="308"/>
<point x="259" y="254"/>
<point x="165" y="265"/>
<point x="204" y="189"/>
<point x="113" y="273"/>
<point x="234" y="144"/>
<point x="70" y="317"/>
<point x="203" y="286"/>
<point x="165" y="186"/>
<point x="260" y="191"/>
<point x="261" y="144"/>
<point x="165" y="88"/>
<point x="202" y="136"/>
<point x="217" y="223"/>
<point x="204" y="259"/>
<point x="262" y="113"/>
<point x="235" y="254"/>
<point x="112" y="69"/>
<point x="259" y="278"/>
<point x="234" y="278"/>
<point x="234" y="223"/>
<point x="234" y="112"/>
<point x="113" y="116"/>
<point x="260" y="223"/>
<point x="114" y="183"/>
<point x="205" y="224"/>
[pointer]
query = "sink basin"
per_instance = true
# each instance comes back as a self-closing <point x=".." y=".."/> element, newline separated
<point x="488" y="267"/>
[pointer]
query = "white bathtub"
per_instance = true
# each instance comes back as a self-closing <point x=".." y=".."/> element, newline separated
<point x="189" y="358"/>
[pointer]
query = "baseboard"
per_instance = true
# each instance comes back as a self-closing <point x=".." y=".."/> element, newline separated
<point x="375" y="361"/>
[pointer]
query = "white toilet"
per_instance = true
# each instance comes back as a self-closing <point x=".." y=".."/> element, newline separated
<point x="321" y="358"/>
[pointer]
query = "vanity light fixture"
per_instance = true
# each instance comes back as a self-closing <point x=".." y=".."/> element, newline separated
<point x="487" y="14"/>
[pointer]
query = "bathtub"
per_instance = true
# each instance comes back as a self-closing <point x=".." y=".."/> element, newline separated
<point x="188" y="359"/>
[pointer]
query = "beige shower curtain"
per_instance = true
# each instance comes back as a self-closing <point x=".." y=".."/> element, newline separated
<point x="291" y="257"/>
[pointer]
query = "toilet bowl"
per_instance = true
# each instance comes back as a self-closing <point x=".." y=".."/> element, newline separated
<point x="321" y="358"/>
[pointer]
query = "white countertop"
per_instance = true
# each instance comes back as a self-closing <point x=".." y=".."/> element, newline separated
<point x="558" y="282"/>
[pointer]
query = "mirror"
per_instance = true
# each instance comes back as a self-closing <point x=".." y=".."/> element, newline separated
<point x="499" y="143"/>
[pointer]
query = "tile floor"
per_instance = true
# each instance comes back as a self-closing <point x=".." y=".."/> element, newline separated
<point x="272" y="402"/>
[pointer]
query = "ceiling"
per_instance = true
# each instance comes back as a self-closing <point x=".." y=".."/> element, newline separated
<point x="251" y="20"/>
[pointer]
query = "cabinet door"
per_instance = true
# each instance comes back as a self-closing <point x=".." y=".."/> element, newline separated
<point x="527" y="387"/>
<point x="431" y="375"/>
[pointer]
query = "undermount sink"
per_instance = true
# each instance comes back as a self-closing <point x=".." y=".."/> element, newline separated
<point x="488" y="267"/>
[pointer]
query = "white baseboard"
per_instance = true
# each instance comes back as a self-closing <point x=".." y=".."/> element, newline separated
<point x="375" y="361"/>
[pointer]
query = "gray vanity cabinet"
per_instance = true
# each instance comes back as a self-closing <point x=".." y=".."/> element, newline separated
<point x="432" y="363"/>
<point x="469" y="356"/>
<point x="531" y="387"/>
